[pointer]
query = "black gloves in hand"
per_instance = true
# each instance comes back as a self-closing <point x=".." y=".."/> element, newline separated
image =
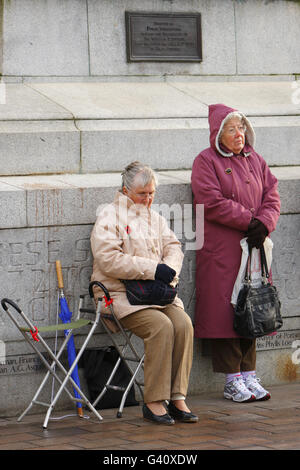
<point x="256" y="233"/>
<point x="164" y="273"/>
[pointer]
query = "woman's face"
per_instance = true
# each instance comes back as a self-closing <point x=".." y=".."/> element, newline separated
<point x="141" y="194"/>
<point x="233" y="135"/>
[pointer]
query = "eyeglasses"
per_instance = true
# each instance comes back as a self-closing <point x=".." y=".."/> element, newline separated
<point x="232" y="130"/>
<point x="144" y="195"/>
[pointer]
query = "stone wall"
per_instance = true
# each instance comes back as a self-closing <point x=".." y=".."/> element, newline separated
<point x="86" y="38"/>
<point x="75" y="112"/>
<point x="97" y="127"/>
<point x="52" y="217"/>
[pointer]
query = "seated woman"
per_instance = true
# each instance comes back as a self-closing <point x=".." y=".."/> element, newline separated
<point x="131" y="241"/>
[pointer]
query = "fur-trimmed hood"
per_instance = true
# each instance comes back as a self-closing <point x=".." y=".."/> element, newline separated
<point x="218" y="114"/>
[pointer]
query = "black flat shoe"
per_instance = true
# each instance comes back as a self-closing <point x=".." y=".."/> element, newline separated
<point x="182" y="416"/>
<point x="158" y="419"/>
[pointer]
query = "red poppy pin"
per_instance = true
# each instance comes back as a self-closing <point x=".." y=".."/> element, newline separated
<point x="128" y="229"/>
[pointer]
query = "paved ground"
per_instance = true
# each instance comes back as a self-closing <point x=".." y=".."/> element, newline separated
<point x="223" y="425"/>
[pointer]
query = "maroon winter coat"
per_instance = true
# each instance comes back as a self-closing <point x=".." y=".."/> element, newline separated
<point x="233" y="189"/>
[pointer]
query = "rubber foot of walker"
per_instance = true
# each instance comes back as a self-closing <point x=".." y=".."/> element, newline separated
<point x="119" y="414"/>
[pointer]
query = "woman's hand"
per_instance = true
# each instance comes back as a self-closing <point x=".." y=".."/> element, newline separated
<point x="165" y="273"/>
<point x="256" y="233"/>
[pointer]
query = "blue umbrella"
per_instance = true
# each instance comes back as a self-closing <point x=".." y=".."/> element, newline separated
<point x="65" y="315"/>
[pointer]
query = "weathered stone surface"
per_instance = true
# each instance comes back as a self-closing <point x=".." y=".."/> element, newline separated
<point x="22" y="103"/>
<point x="108" y="47"/>
<point x="286" y="264"/>
<point x="277" y="139"/>
<point x="13" y="206"/>
<point x="288" y="187"/>
<point x="39" y="147"/>
<point x="267" y="38"/>
<point x="28" y="255"/>
<point x="28" y="274"/>
<point x="256" y="98"/>
<point x="162" y="143"/>
<point x="55" y="38"/>
<point x="124" y="100"/>
<point x="101" y="127"/>
<point x="73" y="199"/>
<point x="74" y="38"/>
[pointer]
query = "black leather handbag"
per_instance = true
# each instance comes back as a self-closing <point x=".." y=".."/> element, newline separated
<point x="257" y="311"/>
<point x="156" y="292"/>
<point x="98" y="364"/>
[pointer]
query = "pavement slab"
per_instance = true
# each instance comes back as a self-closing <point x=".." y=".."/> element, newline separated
<point x="222" y="425"/>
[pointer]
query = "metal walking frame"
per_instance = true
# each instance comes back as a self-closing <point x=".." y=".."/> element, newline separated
<point x="127" y="346"/>
<point x="32" y="335"/>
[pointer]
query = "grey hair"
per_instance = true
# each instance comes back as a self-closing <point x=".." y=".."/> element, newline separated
<point x="136" y="173"/>
<point x="234" y="114"/>
<point x="250" y="134"/>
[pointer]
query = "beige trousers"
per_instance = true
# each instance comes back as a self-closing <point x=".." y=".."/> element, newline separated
<point x="168" y="341"/>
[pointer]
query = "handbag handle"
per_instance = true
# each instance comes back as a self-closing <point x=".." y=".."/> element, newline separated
<point x="264" y="267"/>
<point x="247" y="277"/>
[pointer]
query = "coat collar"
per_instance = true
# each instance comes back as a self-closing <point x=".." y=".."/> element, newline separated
<point x="225" y="152"/>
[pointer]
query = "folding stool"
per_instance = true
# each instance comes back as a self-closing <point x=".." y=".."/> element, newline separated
<point x="32" y="334"/>
<point x="112" y="326"/>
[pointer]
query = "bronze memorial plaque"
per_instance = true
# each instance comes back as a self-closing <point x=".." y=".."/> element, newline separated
<point x="163" y="37"/>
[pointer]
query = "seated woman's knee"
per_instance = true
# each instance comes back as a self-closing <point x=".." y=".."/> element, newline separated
<point x="165" y="326"/>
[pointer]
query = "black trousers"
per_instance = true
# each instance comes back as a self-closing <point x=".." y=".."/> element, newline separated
<point x="230" y="355"/>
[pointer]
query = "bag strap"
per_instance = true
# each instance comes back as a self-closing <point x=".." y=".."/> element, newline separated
<point x="264" y="267"/>
<point x="247" y="278"/>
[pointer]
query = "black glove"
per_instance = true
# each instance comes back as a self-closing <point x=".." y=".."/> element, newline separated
<point x="256" y="233"/>
<point x="164" y="273"/>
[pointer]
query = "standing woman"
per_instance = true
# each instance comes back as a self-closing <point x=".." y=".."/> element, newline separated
<point x="240" y="199"/>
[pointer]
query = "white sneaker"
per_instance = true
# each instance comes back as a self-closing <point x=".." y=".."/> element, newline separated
<point x="236" y="390"/>
<point x="252" y="383"/>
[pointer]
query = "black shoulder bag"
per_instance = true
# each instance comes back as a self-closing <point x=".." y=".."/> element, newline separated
<point x="257" y="311"/>
<point x="156" y="292"/>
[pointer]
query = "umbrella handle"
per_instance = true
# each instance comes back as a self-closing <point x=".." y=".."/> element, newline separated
<point x="59" y="275"/>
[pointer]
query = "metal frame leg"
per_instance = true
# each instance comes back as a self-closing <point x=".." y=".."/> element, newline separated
<point x="69" y="378"/>
<point x="55" y="362"/>
<point x="120" y="411"/>
<point x="122" y="350"/>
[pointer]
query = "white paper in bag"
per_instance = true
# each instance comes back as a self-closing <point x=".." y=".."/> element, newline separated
<point x="255" y="266"/>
